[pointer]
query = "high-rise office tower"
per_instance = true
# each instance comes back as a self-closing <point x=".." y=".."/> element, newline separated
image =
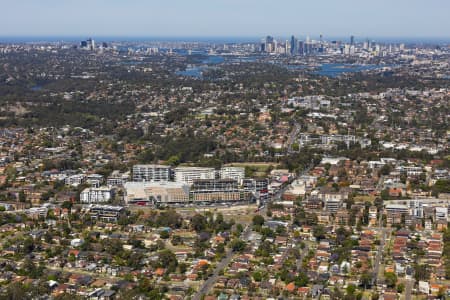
<point x="294" y="46"/>
<point x="301" y="48"/>
<point x="90" y="44"/>
<point x="352" y="40"/>
<point x="263" y="45"/>
<point x="270" y="45"/>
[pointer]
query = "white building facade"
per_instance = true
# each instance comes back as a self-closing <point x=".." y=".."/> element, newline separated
<point x="96" y="195"/>
<point x="151" y="173"/>
<point x="187" y="175"/>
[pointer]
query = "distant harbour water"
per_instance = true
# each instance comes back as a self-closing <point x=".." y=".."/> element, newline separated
<point x="328" y="69"/>
<point x="334" y="70"/>
<point x="197" y="71"/>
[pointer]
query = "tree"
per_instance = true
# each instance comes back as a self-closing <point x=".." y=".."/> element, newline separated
<point x="30" y="269"/>
<point x="302" y="279"/>
<point x="239" y="229"/>
<point x="164" y="234"/>
<point x="319" y="232"/>
<point x="182" y="267"/>
<point x="66" y="204"/>
<point x="15" y="291"/>
<point x="400" y="288"/>
<point x="168" y="260"/>
<point x="22" y="197"/>
<point x="258" y="220"/>
<point x="169" y="218"/>
<point x="257" y="276"/>
<point x="384" y="194"/>
<point x="421" y="272"/>
<point x="238" y="245"/>
<point x="366" y="279"/>
<point x="199" y="222"/>
<point x="351" y="288"/>
<point x="441" y="186"/>
<point x="174" y="160"/>
<point x="220" y="249"/>
<point x="386" y="169"/>
<point x="391" y="279"/>
<point x="176" y="240"/>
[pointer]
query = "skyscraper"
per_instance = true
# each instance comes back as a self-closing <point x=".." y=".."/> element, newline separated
<point x="301" y="48"/>
<point x="270" y="45"/>
<point x="352" y="40"/>
<point x="294" y="46"/>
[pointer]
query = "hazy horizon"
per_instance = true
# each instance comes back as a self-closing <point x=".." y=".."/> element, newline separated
<point x="210" y="39"/>
<point x="410" y="19"/>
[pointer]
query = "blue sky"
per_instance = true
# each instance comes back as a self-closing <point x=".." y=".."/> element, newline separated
<point x="225" y="18"/>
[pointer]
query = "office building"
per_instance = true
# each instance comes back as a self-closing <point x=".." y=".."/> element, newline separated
<point x="294" y="46"/>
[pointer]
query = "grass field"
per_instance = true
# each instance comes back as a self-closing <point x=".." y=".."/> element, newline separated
<point x="364" y="199"/>
<point x="260" y="169"/>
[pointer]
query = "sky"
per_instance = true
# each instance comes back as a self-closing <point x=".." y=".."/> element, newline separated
<point x="226" y="18"/>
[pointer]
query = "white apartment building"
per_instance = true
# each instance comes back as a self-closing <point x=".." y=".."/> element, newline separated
<point x="151" y="173"/>
<point x="95" y="180"/>
<point x="75" y="180"/>
<point x="187" y="175"/>
<point x="441" y="213"/>
<point x="117" y="179"/>
<point x="236" y="173"/>
<point x="96" y="195"/>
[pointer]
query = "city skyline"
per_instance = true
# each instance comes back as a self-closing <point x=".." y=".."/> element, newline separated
<point x="402" y="19"/>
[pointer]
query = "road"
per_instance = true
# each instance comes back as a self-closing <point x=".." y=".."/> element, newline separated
<point x="379" y="255"/>
<point x="408" y="288"/>
<point x="209" y="283"/>
<point x="293" y="136"/>
<point x="299" y="262"/>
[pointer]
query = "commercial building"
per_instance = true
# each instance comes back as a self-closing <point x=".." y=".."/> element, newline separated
<point x="151" y="173"/>
<point x="259" y="187"/>
<point x="217" y="190"/>
<point x="149" y="193"/>
<point x="397" y="208"/>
